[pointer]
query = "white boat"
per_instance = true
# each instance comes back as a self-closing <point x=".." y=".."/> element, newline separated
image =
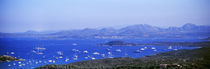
<point x="142" y="48"/>
<point x="110" y="57"/>
<point x="145" y="47"/>
<point x="107" y="49"/>
<point x="170" y="47"/>
<point x="67" y="59"/>
<point x="75" y="50"/>
<point x="23" y="64"/>
<point x="86" y="57"/>
<point x="53" y="61"/>
<point x="50" y="61"/>
<point x="153" y="48"/>
<point x="75" y="57"/>
<point x="60" y="53"/>
<point x="175" y="49"/>
<point x="40" y="48"/>
<point x="37" y="52"/>
<point x="74" y="44"/>
<point x="118" y="50"/>
<point x="12" y="52"/>
<point x="96" y="53"/>
<point x="60" y="57"/>
<point x="19" y="62"/>
<point x="9" y="65"/>
<point x="85" y="51"/>
<point x="109" y="53"/>
<point x="40" y="61"/>
<point x="36" y="62"/>
<point x="137" y="51"/>
<point x="93" y="58"/>
<point x="102" y="55"/>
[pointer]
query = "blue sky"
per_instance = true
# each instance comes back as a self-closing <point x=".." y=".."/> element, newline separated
<point x="42" y="15"/>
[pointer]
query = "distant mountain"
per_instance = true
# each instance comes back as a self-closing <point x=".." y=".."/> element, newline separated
<point x="134" y="31"/>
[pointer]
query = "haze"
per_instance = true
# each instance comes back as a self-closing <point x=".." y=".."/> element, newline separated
<point x="43" y="15"/>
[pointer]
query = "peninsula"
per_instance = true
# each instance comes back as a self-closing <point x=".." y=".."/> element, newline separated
<point x="9" y="58"/>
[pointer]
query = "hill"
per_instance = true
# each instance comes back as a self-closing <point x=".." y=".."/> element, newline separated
<point x="134" y="31"/>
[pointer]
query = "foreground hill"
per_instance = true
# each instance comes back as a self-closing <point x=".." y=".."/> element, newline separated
<point x="181" y="59"/>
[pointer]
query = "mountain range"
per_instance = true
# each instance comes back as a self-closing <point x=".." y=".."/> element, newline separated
<point x="134" y="31"/>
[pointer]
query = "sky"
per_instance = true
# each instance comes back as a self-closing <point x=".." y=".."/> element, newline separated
<point x="45" y="15"/>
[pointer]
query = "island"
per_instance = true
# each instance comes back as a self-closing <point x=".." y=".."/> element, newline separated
<point x="9" y="58"/>
<point x="118" y="43"/>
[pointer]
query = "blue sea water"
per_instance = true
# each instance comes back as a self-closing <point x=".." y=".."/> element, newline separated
<point x="42" y="52"/>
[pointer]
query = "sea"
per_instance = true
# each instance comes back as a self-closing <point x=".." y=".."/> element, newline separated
<point x="38" y="52"/>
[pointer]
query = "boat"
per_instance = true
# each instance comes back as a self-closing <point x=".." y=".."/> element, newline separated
<point x="118" y="50"/>
<point x="86" y="57"/>
<point x="75" y="50"/>
<point x="142" y="48"/>
<point x="40" y="48"/>
<point x="60" y="57"/>
<point x="170" y="47"/>
<point x="67" y="59"/>
<point x="102" y="55"/>
<point x="109" y="53"/>
<point x="75" y="57"/>
<point x="50" y="61"/>
<point x="110" y="57"/>
<point x="53" y="61"/>
<point x="93" y="58"/>
<point x="85" y="51"/>
<point x="9" y="65"/>
<point x="60" y="53"/>
<point x="12" y="52"/>
<point x="107" y="49"/>
<point x="137" y="51"/>
<point x="96" y="53"/>
<point x="145" y="47"/>
<point x="37" y="52"/>
<point x="153" y="48"/>
<point x="74" y="44"/>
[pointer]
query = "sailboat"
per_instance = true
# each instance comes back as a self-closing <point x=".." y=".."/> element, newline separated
<point x="170" y="47"/>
